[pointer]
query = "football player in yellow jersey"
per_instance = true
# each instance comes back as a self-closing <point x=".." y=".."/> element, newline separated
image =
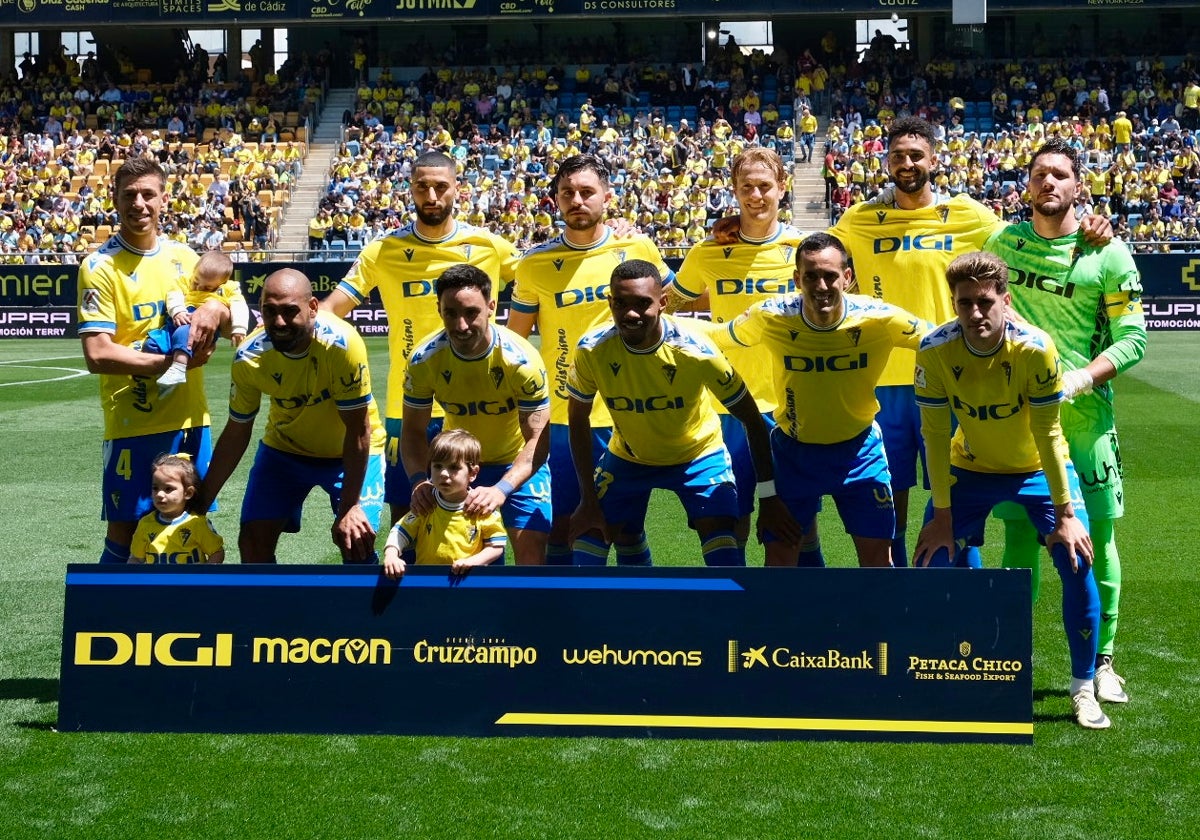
<point x="123" y="288"/>
<point x="312" y="366"/>
<point x="562" y="287"/>
<point x="727" y="275"/>
<point x="490" y="382"/>
<point x="655" y="375"/>
<point x="827" y="351"/>
<point x="404" y="265"/>
<point x="1002" y="381"/>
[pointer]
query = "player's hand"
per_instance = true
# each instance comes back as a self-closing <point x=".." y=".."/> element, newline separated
<point x="393" y="565"/>
<point x="1076" y="382"/>
<point x="622" y="228"/>
<point x="1070" y="533"/>
<point x="1097" y="230"/>
<point x="206" y="325"/>
<point x="354" y="534"/>
<point x="936" y="536"/>
<point x="483" y="501"/>
<point x="887" y="195"/>
<point x="423" y="502"/>
<point x="725" y="230"/>
<point x="774" y="516"/>
<point x="588" y="518"/>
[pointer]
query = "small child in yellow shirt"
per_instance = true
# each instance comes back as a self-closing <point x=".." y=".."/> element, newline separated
<point x="213" y="279"/>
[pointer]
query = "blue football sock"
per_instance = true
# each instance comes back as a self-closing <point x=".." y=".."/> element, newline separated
<point x="1081" y="613"/>
<point x="969" y="558"/>
<point x="590" y="551"/>
<point x="899" y="549"/>
<point x="637" y="554"/>
<point x="114" y="552"/>
<point x="811" y="556"/>
<point x="558" y="554"/>
<point x="721" y="549"/>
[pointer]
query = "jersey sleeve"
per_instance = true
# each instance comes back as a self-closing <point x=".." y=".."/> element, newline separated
<point x="581" y="382"/>
<point x="534" y="389"/>
<point x="353" y="377"/>
<point x="418" y="385"/>
<point x="97" y="298"/>
<point x="210" y="541"/>
<point x="360" y="279"/>
<point x="1123" y="305"/>
<point x="492" y="531"/>
<point x="525" y="291"/>
<point x="404" y="533"/>
<point x="1044" y="386"/>
<point x="141" y="538"/>
<point x="907" y="329"/>
<point x="935" y="426"/>
<point x="245" y="398"/>
<point x="690" y="282"/>
<point x="746" y="329"/>
<point x="723" y="381"/>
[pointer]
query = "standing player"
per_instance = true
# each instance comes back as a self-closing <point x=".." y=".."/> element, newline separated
<point x="322" y="426"/>
<point x="491" y="383"/>
<point x="123" y="289"/>
<point x="1089" y="300"/>
<point x="562" y="287"/>
<point x="655" y="374"/>
<point x="827" y="351"/>
<point x="726" y="274"/>
<point x="404" y="265"/>
<point x="1001" y="381"/>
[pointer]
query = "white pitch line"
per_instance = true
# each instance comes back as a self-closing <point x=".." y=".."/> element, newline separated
<point x="19" y="362"/>
<point x="73" y="373"/>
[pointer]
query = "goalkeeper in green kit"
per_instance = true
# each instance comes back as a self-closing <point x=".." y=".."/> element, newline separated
<point x="1089" y="300"/>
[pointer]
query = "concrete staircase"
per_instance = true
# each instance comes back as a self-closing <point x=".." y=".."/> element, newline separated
<point x="809" y="213"/>
<point x="311" y="187"/>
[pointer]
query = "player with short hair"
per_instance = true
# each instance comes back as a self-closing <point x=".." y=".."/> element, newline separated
<point x="491" y="382"/>
<point x="447" y="535"/>
<point x="123" y="288"/>
<point x="655" y="375"/>
<point x="1001" y="380"/>
<point x="562" y="288"/>
<point x="728" y="274"/>
<point x="323" y="428"/>
<point x="1089" y="301"/>
<point x="827" y="350"/>
<point x="403" y="265"/>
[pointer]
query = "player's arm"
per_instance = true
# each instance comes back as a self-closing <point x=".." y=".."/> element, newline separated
<point x="227" y="454"/>
<point x="397" y="541"/>
<point x="588" y="517"/>
<point x="216" y="558"/>
<point x="522" y="323"/>
<point x="1127" y="327"/>
<point x="1048" y="437"/>
<point x="103" y="355"/>
<point x="482" y="501"/>
<point x="938" y="534"/>
<point x="773" y="514"/>
<point x="485" y="556"/>
<point x="352" y="531"/>
<point x="338" y="302"/>
<point x="414" y="455"/>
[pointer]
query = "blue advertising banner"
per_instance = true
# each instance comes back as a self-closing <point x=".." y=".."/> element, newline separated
<point x="854" y="654"/>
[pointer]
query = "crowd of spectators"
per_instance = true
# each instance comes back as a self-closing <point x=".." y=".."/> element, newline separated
<point x="230" y="147"/>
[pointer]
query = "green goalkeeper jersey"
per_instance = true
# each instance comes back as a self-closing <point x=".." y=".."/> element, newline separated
<point x="1087" y="298"/>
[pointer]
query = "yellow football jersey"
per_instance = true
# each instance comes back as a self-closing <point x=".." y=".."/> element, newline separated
<point x="659" y="398"/>
<point x="307" y="392"/>
<point x="566" y="287"/>
<point x="824" y="377"/>
<point x="901" y="256"/>
<point x="186" y="539"/>
<point x="123" y="292"/>
<point x="404" y="266"/>
<point x="736" y="277"/>
<point x="447" y="534"/>
<point x="1003" y="402"/>
<point x="485" y="395"/>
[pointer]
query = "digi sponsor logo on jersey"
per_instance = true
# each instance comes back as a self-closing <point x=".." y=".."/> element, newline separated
<point x="1040" y="283"/>
<point x="920" y="242"/>
<point x="964" y="667"/>
<point x="416" y="288"/>
<point x="825" y="364"/>
<point x="574" y="297"/>
<point x="995" y="411"/>
<point x="632" y="657"/>
<point x="173" y="650"/>
<point x="639" y="405"/>
<point x="751" y="286"/>
<point x="473" y="409"/>
<point x="467" y="651"/>
<point x="748" y="657"/>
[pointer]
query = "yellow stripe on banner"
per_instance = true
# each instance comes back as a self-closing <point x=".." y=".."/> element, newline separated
<point x="817" y="724"/>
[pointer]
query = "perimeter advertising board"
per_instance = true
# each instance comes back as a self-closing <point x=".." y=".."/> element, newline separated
<point x="941" y="655"/>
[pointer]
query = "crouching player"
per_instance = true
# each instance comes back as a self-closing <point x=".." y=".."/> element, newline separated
<point x="447" y="536"/>
<point x="1003" y="383"/>
<point x="655" y="376"/>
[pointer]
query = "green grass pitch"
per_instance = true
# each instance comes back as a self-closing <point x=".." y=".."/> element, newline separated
<point x="1139" y="779"/>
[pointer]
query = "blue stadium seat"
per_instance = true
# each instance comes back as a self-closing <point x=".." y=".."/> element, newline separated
<point x="971" y="109"/>
<point x="674" y="113"/>
<point x="690" y="112"/>
<point x="785" y="112"/>
<point x="643" y="99"/>
<point x="987" y="124"/>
